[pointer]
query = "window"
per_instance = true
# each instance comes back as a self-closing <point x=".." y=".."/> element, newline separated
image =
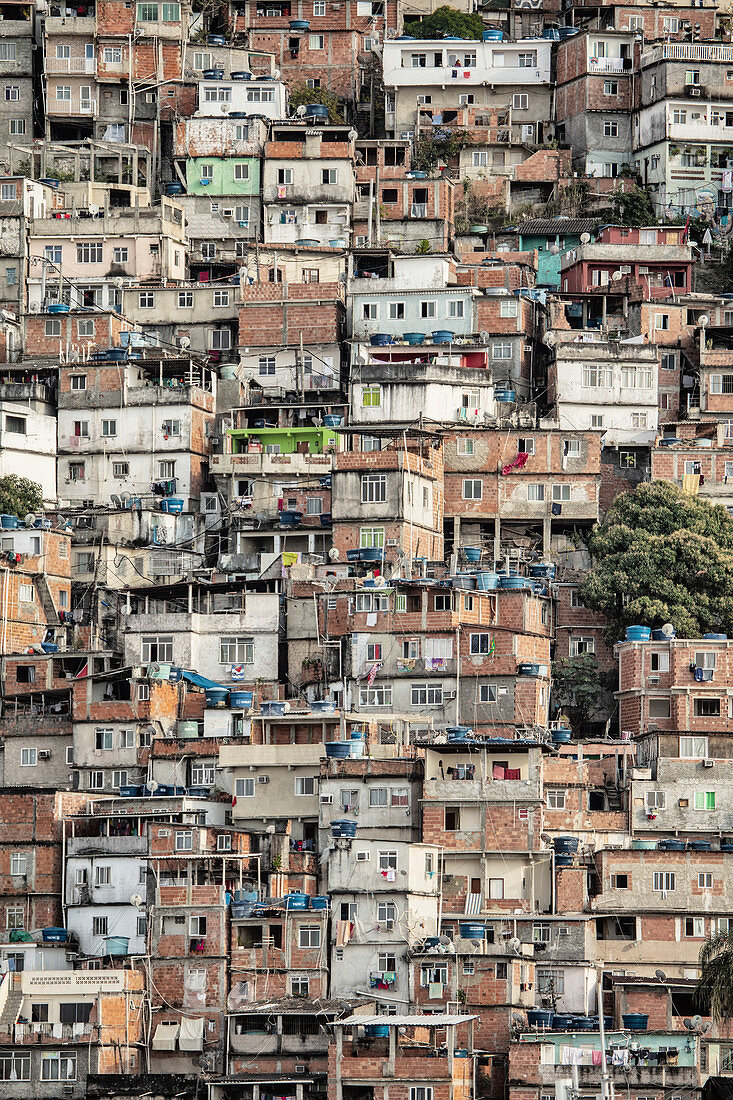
<point x="488" y="693"/>
<point x="464" y="446"/>
<point x="266" y="365"/>
<point x="496" y="888"/>
<point x="610" y="128"/>
<point x="374" y="651"/>
<point x="692" y="77"/>
<point x="501" y="351"/>
<point x="378" y="796"/>
<point x="597" y="377"/>
<point x="509" y="308"/>
<point x="661" y="321"/>
<point x="221" y="298"/>
<point x="704" y="800"/>
<point x="58" y="1066"/>
<point x="619" y="882"/>
<point x="426" y="695"/>
<point x="26" y="593"/>
<point x="705" y="880"/>
<point x="53" y="328"/>
<point x="664" y="881"/>
<point x="706" y="708"/>
<point x="305" y="785"/>
<point x="371" y="538"/>
<point x="28" y="758"/>
<point x="695" y="927"/>
<point x="102" y="874"/>
<point x="502" y="971"/>
<point x="480" y="643"/>
<point x="146" y="299"/>
<point x="14" y="917"/>
<point x="705" y="659"/>
<point x="329" y="176"/>
<point x="241" y="171"/>
<point x="377" y="696"/>
<point x="12" y="95"/>
<point x="184" y="841"/>
<point x="659" y="707"/>
<point x="157" y="648"/>
<point x="638" y="420"/>
<point x="374" y="488"/>
<point x="400" y="797"/>
<point x="100" y="926"/>
<point x="535" y="491"/>
<point x="120" y="469"/>
<point x="520" y="101"/>
<point x="561" y="492"/>
<point x="387" y="860"/>
<point x="610" y="87"/>
<point x="53" y="253"/>
<point x="313" y="506"/>
<point x="316" y="41"/>
<point x="455" y="309"/>
<point x="659" y="662"/>
<point x="371" y="397"/>
<point x="472" y="489"/>
<point x="627" y="460"/>
<point x="572" y="448"/>
<point x="396" y="311"/>
<point x="693" y="748"/>
<point x="580" y="645"/>
<point x="244" y="788"/>
<point x="63" y="92"/>
<point x="309" y="935"/>
<point x="167" y="468"/>
<point x="15" y="1066"/>
<point x="311" y="275"/>
<point x="89" y="252"/>
<point x="556" y="799"/>
<point x="18" y="864"/>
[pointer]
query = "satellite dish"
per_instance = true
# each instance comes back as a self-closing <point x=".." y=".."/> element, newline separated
<point x="300" y="111"/>
<point x="584" y="238"/>
<point x="61" y="521"/>
<point x="118" y="282"/>
<point x="35" y="307"/>
<point x="334" y="553"/>
<point x="445" y="940"/>
<point x="184" y="342"/>
<point x="688" y="1023"/>
<point x="29" y="519"/>
<point x="276" y="74"/>
<point x="116" y="502"/>
<point x="515" y="943"/>
<point x="618" y="274"/>
<point x="124" y="497"/>
<point x="153" y="668"/>
<point x="379" y="582"/>
<point x="93" y="209"/>
<point x="554" y="249"/>
<point x="518" y="1020"/>
<point x="225" y="107"/>
<point x="353" y="135"/>
<point x="477" y="943"/>
<point x="704" y="320"/>
<point x="549" y="339"/>
<point x="151" y="785"/>
<point x="707" y="1026"/>
<point x="696" y="1021"/>
<point x="668" y="630"/>
<point x="151" y="730"/>
<point x="661" y="975"/>
<point x="136" y="900"/>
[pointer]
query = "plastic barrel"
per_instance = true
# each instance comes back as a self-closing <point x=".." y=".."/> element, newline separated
<point x="566" y="843"/>
<point x="324" y="706"/>
<point x="540" y="1017"/>
<point x="459" y="733"/>
<point x="319" y="901"/>
<point x="338" y="750"/>
<point x="240" y="698"/>
<point x="272" y="708"/>
<point x="215" y="697"/>
<point x="561" y="736"/>
<point x="487" y="582"/>
<point x="635" y="1021"/>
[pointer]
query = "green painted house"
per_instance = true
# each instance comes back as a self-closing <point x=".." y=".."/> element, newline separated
<point x="551" y="237"/>
<point x="216" y="176"/>
<point x="286" y="441"/>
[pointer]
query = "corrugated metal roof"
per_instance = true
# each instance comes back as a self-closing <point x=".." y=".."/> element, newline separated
<point x="550" y="226"/>
<point x="431" y="1020"/>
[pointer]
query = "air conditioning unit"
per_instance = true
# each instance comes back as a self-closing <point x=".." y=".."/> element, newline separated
<point x="705" y="763"/>
<point x="263" y="779"/>
<point x="654" y="679"/>
<point x="406" y="134"/>
<point x="693" y="90"/>
<point x="392" y="542"/>
<point x="228" y="213"/>
<point x="362" y="857"/>
<point x="326" y="799"/>
<point x="44" y="754"/>
<point x="563" y="931"/>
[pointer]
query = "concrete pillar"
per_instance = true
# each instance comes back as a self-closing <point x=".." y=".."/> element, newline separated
<point x="546" y="536"/>
<point x="497" y="539"/>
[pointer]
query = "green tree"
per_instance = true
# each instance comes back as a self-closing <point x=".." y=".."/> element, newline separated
<point x="660" y="556"/>
<point x="633" y="207"/>
<point x="438" y="145"/>
<point x="580" y="689"/>
<point x="715" y="985"/>
<point x="19" y="495"/>
<point x="300" y="94"/>
<point x="447" y="22"/>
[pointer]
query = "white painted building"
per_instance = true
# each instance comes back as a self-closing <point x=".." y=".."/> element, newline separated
<point x="264" y="96"/>
<point x="388" y="891"/>
<point x="102" y="875"/>
<point x="608" y="385"/>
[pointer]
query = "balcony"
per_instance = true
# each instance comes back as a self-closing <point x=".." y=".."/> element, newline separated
<point x="85" y="107"/>
<point x="107" y="845"/>
<point x="86" y="66"/>
<point x="254" y="465"/>
<point x="681" y="51"/>
<point x="609" y="65"/>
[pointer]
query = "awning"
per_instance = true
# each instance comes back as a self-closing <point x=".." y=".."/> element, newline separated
<point x="200" y="681"/>
<point x="192" y="1034"/>
<point x="165" y="1036"/>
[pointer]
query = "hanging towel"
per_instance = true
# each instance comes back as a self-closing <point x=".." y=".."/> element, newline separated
<point x="566" y="1056"/>
<point x="371" y="619"/>
<point x="435" y="990"/>
<point x="497" y="772"/>
<point x="192" y="1033"/>
<point x="691" y="483"/>
<point x="391" y="876"/>
<point x="512" y="773"/>
<point x="597" y="1058"/>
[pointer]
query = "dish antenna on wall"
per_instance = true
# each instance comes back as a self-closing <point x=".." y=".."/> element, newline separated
<point x="334" y="553"/>
<point x="661" y="975"/>
<point x="29" y="519"/>
<point x="515" y="943"/>
<point x="668" y="630"/>
<point x="617" y="274"/>
<point x="136" y="900"/>
<point x="151" y="785"/>
<point x="584" y="238"/>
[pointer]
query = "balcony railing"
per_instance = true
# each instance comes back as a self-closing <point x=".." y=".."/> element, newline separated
<point x="609" y="65"/>
<point x="71" y="106"/>
<point x="83" y="65"/>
